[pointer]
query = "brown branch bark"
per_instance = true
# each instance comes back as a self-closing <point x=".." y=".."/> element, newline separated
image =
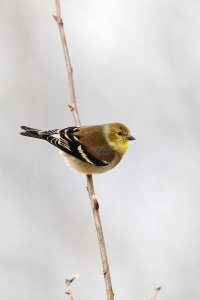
<point x="90" y="186"/>
<point x="102" y="246"/>
<point x="72" y="105"/>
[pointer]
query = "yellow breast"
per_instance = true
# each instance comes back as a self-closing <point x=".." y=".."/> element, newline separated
<point x="122" y="147"/>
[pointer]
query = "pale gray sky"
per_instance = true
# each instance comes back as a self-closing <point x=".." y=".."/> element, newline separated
<point x="135" y="62"/>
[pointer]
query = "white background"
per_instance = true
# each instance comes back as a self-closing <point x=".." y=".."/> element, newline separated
<point x="135" y="62"/>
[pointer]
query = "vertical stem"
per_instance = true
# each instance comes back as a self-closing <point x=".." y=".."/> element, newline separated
<point x="90" y="186"/>
<point x="99" y="229"/>
<point x="72" y="105"/>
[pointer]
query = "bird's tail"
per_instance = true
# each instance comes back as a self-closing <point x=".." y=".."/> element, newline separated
<point x="35" y="133"/>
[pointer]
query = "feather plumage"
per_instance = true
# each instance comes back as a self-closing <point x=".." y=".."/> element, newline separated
<point x="86" y="148"/>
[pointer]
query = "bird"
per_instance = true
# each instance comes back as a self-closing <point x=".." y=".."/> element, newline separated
<point x="90" y="149"/>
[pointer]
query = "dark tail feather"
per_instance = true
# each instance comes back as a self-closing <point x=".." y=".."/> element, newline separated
<point x="35" y="133"/>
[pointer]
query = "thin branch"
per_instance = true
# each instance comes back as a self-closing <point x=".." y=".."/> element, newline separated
<point x="102" y="246"/>
<point x="90" y="186"/>
<point x="157" y="291"/>
<point x="68" y="284"/>
<point x="72" y="105"/>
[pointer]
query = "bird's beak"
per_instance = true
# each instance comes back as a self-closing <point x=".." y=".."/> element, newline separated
<point x="130" y="138"/>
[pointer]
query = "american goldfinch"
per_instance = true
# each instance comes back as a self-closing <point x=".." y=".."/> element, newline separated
<point x="88" y="149"/>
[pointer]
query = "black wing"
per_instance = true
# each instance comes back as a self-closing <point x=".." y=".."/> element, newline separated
<point x="68" y="142"/>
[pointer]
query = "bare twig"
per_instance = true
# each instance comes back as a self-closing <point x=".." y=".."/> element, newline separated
<point x="157" y="290"/>
<point x="72" y="105"/>
<point x="102" y="246"/>
<point x="68" y="284"/>
<point x="90" y="186"/>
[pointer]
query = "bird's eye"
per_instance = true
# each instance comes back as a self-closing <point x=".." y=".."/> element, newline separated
<point x="119" y="133"/>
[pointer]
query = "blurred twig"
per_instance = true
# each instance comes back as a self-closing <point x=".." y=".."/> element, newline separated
<point x="90" y="186"/>
<point x="68" y="284"/>
<point x="157" y="290"/>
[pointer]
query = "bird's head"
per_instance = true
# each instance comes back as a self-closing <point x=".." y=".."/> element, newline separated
<point x="118" y="137"/>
